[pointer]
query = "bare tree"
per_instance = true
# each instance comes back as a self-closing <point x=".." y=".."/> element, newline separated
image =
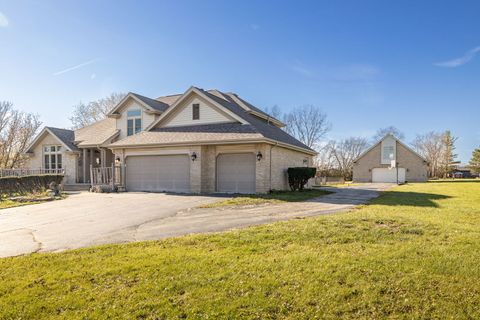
<point x="274" y="112"/>
<point x="86" y="114"/>
<point x="431" y="147"/>
<point x="308" y="124"/>
<point x="345" y="152"/>
<point x="382" y="132"/>
<point x="17" y="129"/>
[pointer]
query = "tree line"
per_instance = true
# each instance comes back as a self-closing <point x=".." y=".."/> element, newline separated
<point x="307" y="123"/>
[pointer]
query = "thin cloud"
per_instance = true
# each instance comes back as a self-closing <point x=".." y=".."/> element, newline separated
<point x="467" y="57"/>
<point x="301" y="69"/>
<point x="78" y="66"/>
<point x="3" y="21"/>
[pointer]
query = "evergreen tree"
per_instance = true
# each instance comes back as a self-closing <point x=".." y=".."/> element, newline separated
<point x="448" y="158"/>
<point x="475" y="161"/>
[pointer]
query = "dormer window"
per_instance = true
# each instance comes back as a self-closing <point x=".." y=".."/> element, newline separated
<point x="196" y="111"/>
<point x="134" y="121"/>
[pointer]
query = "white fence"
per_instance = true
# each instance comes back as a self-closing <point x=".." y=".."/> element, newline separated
<point x="28" y="172"/>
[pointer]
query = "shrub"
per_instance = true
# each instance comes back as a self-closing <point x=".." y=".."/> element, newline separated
<point x="28" y="184"/>
<point x="298" y="177"/>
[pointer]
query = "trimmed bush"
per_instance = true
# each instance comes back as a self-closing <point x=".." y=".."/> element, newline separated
<point x="298" y="177"/>
<point x="28" y="184"/>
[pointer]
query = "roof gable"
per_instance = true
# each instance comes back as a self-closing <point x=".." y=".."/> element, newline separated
<point x="179" y="103"/>
<point x="64" y="137"/>
<point x="150" y="105"/>
<point x="397" y="140"/>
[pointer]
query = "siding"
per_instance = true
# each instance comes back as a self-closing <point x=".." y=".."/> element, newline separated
<point x="147" y="118"/>
<point x="416" y="168"/>
<point x="208" y="114"/>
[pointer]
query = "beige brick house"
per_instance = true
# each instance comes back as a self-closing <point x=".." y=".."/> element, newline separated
<point x="196" y="142"/>
<point x="390" y="160"/>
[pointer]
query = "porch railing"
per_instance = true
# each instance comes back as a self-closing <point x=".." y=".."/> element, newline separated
<point x="106" y="176"/>
<point x="28" y="172"/>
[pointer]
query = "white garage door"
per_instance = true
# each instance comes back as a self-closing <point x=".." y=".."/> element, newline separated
<point x="236" y="173"/>
<point x="158" y="173"/>
<point x="388" y="175"/>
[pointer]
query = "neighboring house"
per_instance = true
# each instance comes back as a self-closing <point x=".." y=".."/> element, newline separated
<point x="390" y="160"/>
<point x="198" y="141"/>
<point x="463" y="171"/>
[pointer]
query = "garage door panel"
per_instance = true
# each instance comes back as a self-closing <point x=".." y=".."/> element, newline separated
<point x="158" y="173"/>
<point x="386" y="175"/>
<point x="236" y="173"/>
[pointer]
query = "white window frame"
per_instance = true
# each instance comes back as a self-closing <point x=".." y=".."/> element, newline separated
<point x="134" y="120"/>
<point x="57" y="154"/>
<point x="385" y="155"/>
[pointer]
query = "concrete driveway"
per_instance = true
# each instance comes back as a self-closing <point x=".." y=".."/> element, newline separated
<point x="87" y="219"/>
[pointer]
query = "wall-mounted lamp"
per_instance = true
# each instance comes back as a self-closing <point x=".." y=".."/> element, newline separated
<point x="117" y="160"/>
<point x="305" y="161"/>
<point x="259" y="156"/>
<point x="193" y="156"/>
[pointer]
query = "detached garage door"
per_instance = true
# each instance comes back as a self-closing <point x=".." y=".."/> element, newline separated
<point x="388" y="175"/>
<point x="236" y="173"/>
<point x="158" y="173"/>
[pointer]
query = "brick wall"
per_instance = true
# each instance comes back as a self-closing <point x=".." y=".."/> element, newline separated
<point x="416" y="168"/>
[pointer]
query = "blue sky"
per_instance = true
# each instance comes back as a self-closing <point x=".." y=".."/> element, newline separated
<point x="367" y="64"/>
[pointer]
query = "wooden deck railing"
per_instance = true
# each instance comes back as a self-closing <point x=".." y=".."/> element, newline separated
<point x="28" y="172"/>
<point x="106" y="176"/>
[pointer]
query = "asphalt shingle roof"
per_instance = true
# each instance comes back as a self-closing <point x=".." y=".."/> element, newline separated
<point x="66" y="136"/>
<point x="155" y="104"/>
<point x="96" y="133"/>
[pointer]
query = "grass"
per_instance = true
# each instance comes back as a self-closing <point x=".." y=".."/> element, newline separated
<point x="272" y="197"/>
<point x="413" y="253"/>
<point x="6" y="203"/>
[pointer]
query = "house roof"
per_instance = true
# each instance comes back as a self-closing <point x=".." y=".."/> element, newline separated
<point x="396" y="139"/>
<point x="64" y="136"/>
<point x="191" y="134"/>
<point x="155" y="104"/>
<point x="268" y="130"/>
<point x="170" y="99"/>
<point x="251" y="124"/>
<point x="96" y="134"/>
<point x="149" y="104"/>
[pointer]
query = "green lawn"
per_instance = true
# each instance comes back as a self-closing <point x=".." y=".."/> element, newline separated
<point x="6" y="203"/>
<point x="272" y="197"/>
<point x="413" y="253"/>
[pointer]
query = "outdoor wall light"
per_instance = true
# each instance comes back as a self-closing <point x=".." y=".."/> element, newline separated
<point x="305" y="161"/>
<point x="117" y="159"/>
<point x="193" y="156"/>
<point x="259" y="156"/>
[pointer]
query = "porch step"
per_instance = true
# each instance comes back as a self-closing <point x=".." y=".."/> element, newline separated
<point x="76" y="187"/>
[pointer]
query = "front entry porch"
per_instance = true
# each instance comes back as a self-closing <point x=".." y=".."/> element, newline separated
<point x="92" y="158"/>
